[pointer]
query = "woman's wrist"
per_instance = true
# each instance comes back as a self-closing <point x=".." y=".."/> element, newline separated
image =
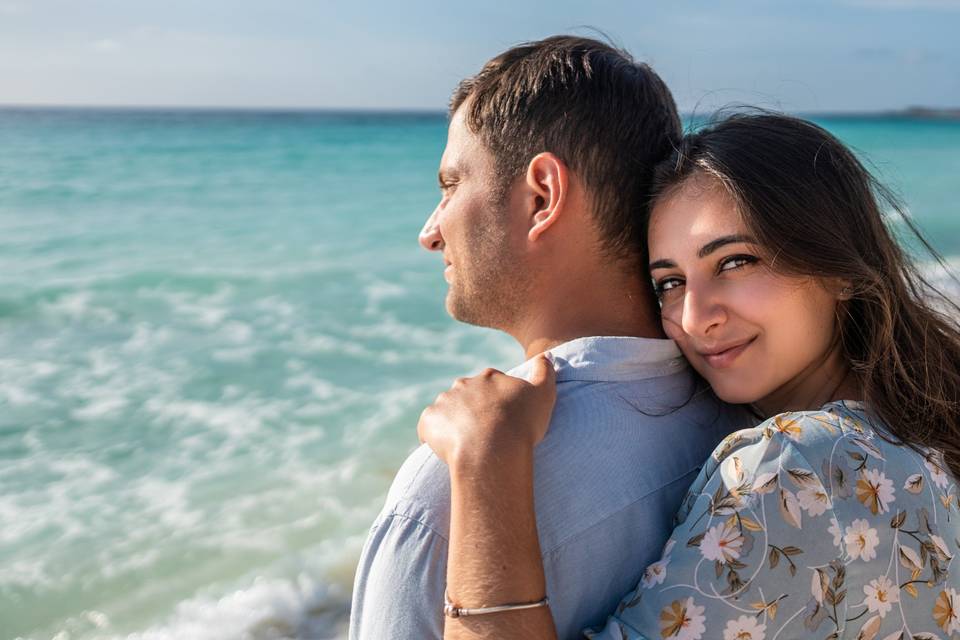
<point x="487" y="456"/>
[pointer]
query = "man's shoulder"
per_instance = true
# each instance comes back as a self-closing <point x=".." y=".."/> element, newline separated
<point x="399" y="583"/>
<point x="420" y="492"/>
<point x="624" y="431"/>
<point x="677" y="401"/>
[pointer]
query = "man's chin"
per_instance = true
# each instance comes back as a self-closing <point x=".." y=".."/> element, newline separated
<point x="467" y="311"/>
<point x="457" y="310"/>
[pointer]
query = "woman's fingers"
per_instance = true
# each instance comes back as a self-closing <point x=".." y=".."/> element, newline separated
<point x="489" y="407"/>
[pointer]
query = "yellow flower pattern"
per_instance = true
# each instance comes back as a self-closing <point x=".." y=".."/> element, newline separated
<point x="810" y="525"/>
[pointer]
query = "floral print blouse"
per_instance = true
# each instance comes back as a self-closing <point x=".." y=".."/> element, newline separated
<point x="808" y="526"/>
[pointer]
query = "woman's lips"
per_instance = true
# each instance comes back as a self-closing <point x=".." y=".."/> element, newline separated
<point x="723" y="358"/>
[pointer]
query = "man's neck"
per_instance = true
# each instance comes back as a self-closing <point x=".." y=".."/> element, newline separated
<point x="599" y="311"/>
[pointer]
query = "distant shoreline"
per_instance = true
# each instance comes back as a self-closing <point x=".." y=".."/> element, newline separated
<point x="909" y="113"/>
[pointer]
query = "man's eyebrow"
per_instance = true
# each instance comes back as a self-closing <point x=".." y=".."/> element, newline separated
<point x="705" y="250"/>
<point x="713" y="245"/>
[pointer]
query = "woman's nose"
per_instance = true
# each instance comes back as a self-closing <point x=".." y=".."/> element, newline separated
<point x="430" y="238"/>
<point x="702" y="313"/>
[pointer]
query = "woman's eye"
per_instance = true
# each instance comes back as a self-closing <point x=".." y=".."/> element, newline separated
<point x="666" y="285"/>
<point x="735" y="262"/>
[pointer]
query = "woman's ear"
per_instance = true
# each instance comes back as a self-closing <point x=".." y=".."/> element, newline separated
<point x="548" y="180"/>
<point x="842" y="289"/>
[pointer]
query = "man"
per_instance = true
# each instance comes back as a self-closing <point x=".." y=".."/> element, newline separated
<point x="545" y="180"/>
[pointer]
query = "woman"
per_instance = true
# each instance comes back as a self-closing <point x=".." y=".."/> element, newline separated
<point x="837" y="517"/>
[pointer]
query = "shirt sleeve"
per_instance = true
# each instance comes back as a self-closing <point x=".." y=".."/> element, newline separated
<point x="756" y="552"/>
<point x="400" y="581"/>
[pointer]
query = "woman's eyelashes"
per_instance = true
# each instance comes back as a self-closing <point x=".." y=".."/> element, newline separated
<point x="735" y="262"/>
<point x="666" y="285"/>
<point x="672" y="283"/>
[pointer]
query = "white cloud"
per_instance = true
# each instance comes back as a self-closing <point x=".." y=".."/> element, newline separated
<point x="106" y="45"/>
<point x="11" y="8"/>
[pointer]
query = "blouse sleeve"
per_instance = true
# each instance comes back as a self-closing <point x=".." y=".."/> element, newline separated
<point x="756" y="550"/>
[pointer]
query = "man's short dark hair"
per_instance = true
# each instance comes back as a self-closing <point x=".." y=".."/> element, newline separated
<point x="610" y="118"/>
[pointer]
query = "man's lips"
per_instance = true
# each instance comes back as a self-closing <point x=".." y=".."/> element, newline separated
<point x="723" y="356"/>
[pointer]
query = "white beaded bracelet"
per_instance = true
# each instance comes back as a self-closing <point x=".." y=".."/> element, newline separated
<point x="453" y="611"/>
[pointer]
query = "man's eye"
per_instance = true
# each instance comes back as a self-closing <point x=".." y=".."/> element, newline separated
<point x="735" y="262"/>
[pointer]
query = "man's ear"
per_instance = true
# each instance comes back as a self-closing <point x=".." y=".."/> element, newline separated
<point x="548" y="181"/>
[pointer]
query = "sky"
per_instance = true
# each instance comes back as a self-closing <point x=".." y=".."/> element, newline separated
<point x="798" y="55"/>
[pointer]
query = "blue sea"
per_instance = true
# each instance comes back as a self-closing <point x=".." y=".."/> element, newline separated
<point x="217" y="332"/>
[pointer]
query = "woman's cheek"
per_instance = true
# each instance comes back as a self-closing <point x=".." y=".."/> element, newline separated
<point x="670" y="319"/>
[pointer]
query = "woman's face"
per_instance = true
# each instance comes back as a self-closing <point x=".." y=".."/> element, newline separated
<point x="757" y="336"/>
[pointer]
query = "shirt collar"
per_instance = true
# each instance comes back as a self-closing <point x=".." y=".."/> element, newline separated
<point x="611" y="358"/>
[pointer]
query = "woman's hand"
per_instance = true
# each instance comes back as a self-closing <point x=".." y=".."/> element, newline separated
<point x="490" y="416"/>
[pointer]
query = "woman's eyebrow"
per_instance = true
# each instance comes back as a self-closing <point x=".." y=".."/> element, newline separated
<point x="713" y="245"/>
<point x="662" y="264"/>
<point x="706" y="249"/>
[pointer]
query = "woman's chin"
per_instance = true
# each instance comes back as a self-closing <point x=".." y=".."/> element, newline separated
<point x="733" y="385"/>
<point x="731" y="392"/>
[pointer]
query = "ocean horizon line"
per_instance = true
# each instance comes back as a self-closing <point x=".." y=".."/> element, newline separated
<point x="911" y="112"/>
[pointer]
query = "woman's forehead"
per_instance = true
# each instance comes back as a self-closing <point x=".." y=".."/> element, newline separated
<point x="698" y="206"/>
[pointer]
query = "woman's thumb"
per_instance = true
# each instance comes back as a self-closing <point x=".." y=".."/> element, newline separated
<point x="542" y="373"/>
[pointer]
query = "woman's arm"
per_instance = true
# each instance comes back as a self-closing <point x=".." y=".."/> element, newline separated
<point x="494" y="555"/>
<point x="485" y="429"/>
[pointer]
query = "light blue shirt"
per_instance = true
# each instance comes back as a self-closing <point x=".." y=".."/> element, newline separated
<point x="627" y="437"/>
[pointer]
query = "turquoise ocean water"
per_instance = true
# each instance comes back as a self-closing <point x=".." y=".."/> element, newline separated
<point x="217" y="332"/>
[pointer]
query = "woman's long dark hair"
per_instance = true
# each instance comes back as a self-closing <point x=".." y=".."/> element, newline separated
<point x="816" y="209"/>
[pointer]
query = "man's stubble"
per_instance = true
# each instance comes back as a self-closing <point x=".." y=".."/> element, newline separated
<point x="491" y="290"/>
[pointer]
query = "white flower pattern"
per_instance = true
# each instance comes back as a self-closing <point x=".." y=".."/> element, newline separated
<point x="745" y="628"/>
<point x="875" y="491"/>
<point x="835" y="530"/>
<point x="861" y="540"/>
<point x="937" y="472"/>
<point x="722" y="543"/>
<point x="656" y="573"/>
<point x="946" y="611"/>
<point x="814" y="500"/>
<point x="682" y="620"/>
<point x="881" y="594"/>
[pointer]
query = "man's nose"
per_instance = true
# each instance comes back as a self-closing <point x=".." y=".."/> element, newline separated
<point x="702" y="313"/>
<point x="430" y="238"/>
